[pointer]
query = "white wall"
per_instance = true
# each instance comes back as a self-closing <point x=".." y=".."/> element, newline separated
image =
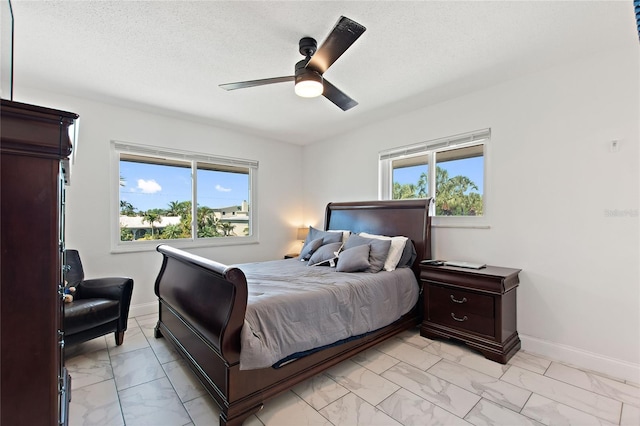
<point x="88" y="207"/>
<point x="550" y="180"/>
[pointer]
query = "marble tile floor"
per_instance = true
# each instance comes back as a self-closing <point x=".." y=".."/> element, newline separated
<point x="409" y="380"/>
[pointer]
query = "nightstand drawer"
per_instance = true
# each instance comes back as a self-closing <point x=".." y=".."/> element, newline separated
<point x="458" y="318"/>
<point x="460" y="301"/>
<point x="461" y="309"/>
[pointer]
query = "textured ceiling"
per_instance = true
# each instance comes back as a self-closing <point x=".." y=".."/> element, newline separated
<point x="170" y="56"/>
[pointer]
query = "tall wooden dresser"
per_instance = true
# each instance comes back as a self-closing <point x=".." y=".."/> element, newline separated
<point x="34" y="385"/>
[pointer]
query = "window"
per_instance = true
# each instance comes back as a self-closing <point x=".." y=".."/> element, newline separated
<point x="189" y="198"/>
<point x="451" y="170"/>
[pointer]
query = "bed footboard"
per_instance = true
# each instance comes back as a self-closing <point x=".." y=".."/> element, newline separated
<point x="208" y="294"/>
<point x="202" y="309"/>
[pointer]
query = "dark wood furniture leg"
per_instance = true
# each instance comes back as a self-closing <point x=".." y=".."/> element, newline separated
<point x="119" y="337"/>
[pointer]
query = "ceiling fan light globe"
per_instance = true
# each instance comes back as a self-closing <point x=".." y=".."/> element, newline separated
<point x="309" y="88"/>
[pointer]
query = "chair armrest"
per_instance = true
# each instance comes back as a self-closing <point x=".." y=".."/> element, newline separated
<point x="114" y="288"/>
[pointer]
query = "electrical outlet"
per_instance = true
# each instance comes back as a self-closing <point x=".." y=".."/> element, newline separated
<point x="614" y="146"/>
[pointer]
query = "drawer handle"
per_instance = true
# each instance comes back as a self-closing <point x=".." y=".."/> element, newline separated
<point x="464" y="318"/>
<point x="453" y="299"/>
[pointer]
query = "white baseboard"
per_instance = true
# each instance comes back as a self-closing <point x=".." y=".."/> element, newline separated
<point x="143" y="309"/>
<point x="612" y="367"/>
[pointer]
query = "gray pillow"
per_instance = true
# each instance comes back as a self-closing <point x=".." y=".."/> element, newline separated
<point x="309" y="247"/>
<point x="327" y="236"/>
<point x="408" y="255"/>
<point x="324" y="255"/>
<point x="354" y="259"/>
<point x="377" y="254"/>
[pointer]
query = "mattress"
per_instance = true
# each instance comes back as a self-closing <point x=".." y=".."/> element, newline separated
<point x="294" y="308"/>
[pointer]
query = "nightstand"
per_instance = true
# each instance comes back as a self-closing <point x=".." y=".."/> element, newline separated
<point x="475" y="306"/>
<point x="291" y="255"/>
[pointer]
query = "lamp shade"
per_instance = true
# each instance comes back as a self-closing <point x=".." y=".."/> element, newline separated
<point x="302" y="233"/>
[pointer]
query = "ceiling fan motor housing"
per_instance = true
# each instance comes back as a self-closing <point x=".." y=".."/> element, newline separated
<point x="303" y="73"/>
<point x="307" y="46"/>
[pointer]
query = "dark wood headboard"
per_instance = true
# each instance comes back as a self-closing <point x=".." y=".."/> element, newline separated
<point x="409" y="218"/>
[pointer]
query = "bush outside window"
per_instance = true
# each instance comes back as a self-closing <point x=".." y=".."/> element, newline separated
<point x="451" y="170"/>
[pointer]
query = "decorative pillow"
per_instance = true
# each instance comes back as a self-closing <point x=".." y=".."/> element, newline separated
<point x="377" y="254"/>
<point x="354" y="259"/>
<point x="326" y="255"/>
<point x="327" y="236"/>
<point x="309" y="247"/>
<point x="408" y="256"/>
<point x="395" y="251"/>
<point x="345" y="234"/>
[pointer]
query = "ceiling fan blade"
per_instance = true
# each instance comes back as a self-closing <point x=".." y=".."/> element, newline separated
<point x="343" y="35"/>
<point x="337" y="96"/>
<point x="254" y="83"/>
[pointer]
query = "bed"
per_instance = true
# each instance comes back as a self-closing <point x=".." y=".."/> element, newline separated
<point x="203" y="307"/>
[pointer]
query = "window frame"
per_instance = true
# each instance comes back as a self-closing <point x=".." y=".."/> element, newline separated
<point x="194" y="158"/>
<point x="430" y="149"/>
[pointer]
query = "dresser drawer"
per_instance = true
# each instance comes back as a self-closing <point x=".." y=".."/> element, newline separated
<point x="461" y="309"/>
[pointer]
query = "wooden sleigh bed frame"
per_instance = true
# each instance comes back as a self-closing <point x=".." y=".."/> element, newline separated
<point x="203" y="303"/>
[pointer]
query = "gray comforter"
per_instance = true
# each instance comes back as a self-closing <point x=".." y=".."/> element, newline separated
<point x="293" y="307"/>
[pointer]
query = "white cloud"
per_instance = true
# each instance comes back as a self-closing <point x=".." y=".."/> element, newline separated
<point x="222" y="188"/>
<point x="149" y="186"/>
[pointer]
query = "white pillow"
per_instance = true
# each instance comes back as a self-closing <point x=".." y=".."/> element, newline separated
<point x="395" y="250"/>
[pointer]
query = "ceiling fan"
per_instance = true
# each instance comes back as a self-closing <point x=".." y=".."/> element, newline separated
<point x="308" y="72"/>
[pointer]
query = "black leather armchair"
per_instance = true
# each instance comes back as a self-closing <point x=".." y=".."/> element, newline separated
<point x="99" y="306"/>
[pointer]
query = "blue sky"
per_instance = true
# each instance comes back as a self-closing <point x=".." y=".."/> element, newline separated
<point x="149" y="186"/>
<point x="473" y="168"/>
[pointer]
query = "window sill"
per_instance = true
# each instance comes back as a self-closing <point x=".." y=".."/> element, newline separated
<point x="462" y="226"/>
<point x="462" y="222"/>
<point x="145" y="246"/>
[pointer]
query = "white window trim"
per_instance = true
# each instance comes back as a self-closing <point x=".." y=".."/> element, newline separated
<point x="118" y="246"/>
<point x="385" y="173"/>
